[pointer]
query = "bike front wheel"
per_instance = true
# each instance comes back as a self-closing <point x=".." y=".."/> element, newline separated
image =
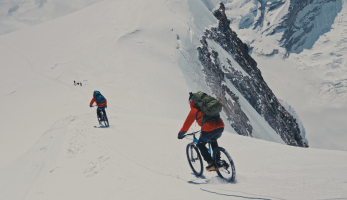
<point x="226" y="168"/>
<point x="194" y="159"/>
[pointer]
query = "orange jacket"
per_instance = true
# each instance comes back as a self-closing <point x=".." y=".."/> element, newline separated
<point x="100" y="105"/>
<point x="208" y="126"/>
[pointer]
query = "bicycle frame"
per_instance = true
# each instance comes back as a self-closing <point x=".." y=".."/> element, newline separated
<point x="195" y="140"/>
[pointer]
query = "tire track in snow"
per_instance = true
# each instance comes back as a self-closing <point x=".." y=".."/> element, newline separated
<point x="168" y="175"/>
<point x="237" y="194"/>
<point x="17" y="178"/>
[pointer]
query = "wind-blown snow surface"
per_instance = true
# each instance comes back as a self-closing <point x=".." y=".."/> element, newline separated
<point x="51" y="149"/>
<point x="18" y="14"/>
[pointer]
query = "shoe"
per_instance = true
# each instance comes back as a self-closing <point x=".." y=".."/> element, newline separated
<point x="211" y="167"/>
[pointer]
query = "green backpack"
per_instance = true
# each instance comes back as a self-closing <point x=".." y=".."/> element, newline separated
<point x="208" y="105"/>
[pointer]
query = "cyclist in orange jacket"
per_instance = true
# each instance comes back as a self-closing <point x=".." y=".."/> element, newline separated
<point x="210" y="132"/>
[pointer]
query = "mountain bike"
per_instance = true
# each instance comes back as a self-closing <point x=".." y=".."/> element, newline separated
<point x="103" y="117"/>
<point x="221" y="158"/>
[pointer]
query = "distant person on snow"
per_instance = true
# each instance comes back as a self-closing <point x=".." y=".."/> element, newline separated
<point x="74" y="82"/>
<point x="81" y="84"/>
<point x="101" y="102"/>
<point x="211" y="130"/>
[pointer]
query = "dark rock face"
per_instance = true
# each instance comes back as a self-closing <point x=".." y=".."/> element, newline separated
<point x="214" y="78"/>
<point x="253" y="87"/>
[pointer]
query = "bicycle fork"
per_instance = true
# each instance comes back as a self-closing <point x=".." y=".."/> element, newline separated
<point x="209" y="150"/>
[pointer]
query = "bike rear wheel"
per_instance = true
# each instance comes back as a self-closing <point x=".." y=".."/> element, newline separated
<point x="104" y="118"/>
<point x="194" y="159"/>
<point x="226" y="168"/>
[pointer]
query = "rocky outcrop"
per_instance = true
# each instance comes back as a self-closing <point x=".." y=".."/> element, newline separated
<point x="252" y="86"/>
<point x="214" y="79"/>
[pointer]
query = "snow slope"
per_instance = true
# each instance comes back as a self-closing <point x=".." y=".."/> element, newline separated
<point x="40" y="63"/>
<point x="52" y="148"/>
<point x="74" y="160"/>
<point x="19" y="14"/>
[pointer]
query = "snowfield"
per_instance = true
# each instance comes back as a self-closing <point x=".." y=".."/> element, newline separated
<point x="140" y="157"/>
<point x="19" y="14"/>
<point x="51" y="146"/>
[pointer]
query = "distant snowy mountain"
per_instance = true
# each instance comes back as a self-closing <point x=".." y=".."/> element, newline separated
<point x="286" y="26"/>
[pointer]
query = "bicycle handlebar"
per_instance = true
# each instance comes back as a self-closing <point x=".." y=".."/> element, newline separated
<point x="192" y="133"/>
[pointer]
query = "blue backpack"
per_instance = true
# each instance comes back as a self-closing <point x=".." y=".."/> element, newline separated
<point x="98" y="97"/>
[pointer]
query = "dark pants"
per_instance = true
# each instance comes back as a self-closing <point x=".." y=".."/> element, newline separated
<point x="211" y="137"/>
<point x="98" y="112"/>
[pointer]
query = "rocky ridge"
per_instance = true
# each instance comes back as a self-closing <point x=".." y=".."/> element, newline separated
<point x="252" y="86"/>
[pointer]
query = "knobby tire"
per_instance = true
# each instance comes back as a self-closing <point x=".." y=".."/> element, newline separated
<point x="222" y="172"/>
<point x="194" y="159"/>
